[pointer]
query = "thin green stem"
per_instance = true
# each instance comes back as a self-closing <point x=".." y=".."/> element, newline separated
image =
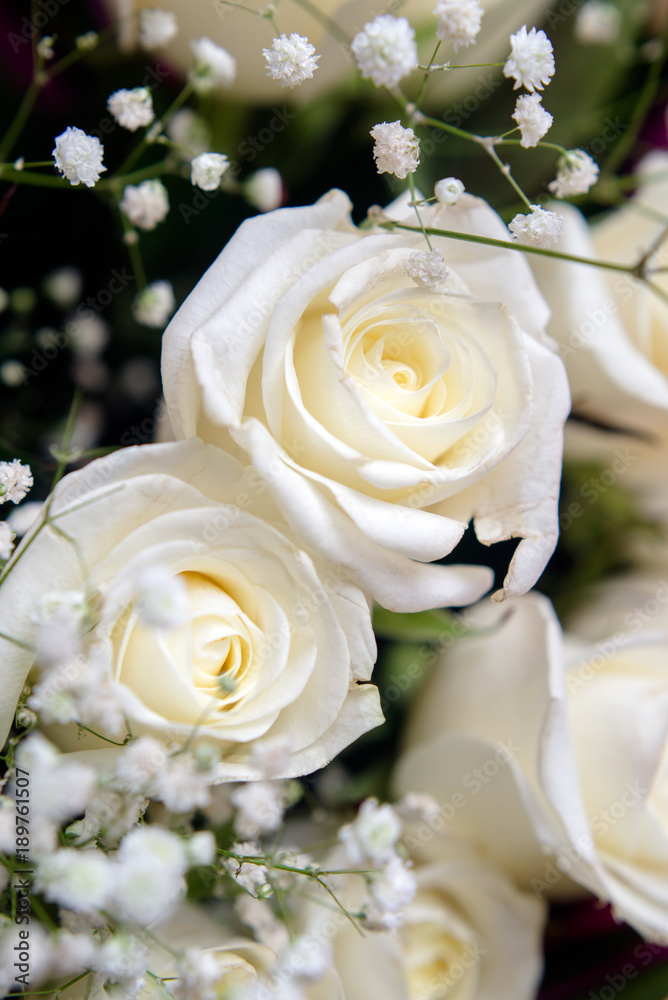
<point x="67" y="436"/>
<point x="178" y="101"/>
<point x="411" y="185"/>
<point x="334" y="29"/>
<point x="452" y="129"/>
<point x="425" y="78"/>
<point x="505" y="170"/>
<point x="478" y="65"/>
<point x="12" y="176"/>
<point x="21" y="117"/>
<point x="627" y="141"/>
<point x="17" y="642"/>
<point x="521" y="247"/>
<point x="134" y="253"/>
<point x="541" y="144"/>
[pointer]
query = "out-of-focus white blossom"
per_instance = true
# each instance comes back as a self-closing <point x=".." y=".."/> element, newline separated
<point x="6" y="540"/>
<point x="154" y="304"/>
<point x="597" y="23"/>
<point x="156" y="28"/>
<point x="145" y="204"/>
<point x="264" y="189"/>
<point x="260" y="807"/>
<point x="79" y="880"/>
<point x="63" y="286"/>
<point x="132" y="109"/>
<point x="162" y="600"/>
<point x="214" y="66"/>
<point x="459" y="21"/>
<point x="372" y="836"/>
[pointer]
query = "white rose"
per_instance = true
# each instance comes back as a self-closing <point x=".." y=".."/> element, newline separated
<point x="580" y="792"/>
<point x="612" y="332"/>
<point x="245" y="35"/>
<point x="469" y="933"/>
<point x="272" y="642"/>
<point x="383" y="412"/>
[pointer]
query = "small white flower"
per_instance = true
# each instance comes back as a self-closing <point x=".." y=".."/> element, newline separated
<point x="386" y="50"/>
<point x="154" y="304"/>
<point x="264" y="189"/>
<point x="448" y="190"/>
<point x="181" y="785"/>
<point x="78" y="880"/>
<point x="162" y="600"/>
<point x="132" y="109"/>
<point x="149" y="876"/>
<point x="597" y="23"/>
<point x="7" y="537"/>
<point x="305" y="957"/>
<point x="394" y="886"/>
<point x="156" y="28"/>
<point x="146" y="204"/>
<point x="260" y="807"/>
<point x="15" y="481"/>
<point x="576" y="173"/>
<point x="214" y="66"/>
<point x="272" y="756"/>
<point x="458" y="21"/>
<point x="531" y="61"/>
<point x="207" y="169"/>
<point x="88" y="41"/>
<point x="122" y="957"/>
<point x="427" y="270"/>
<point x="396" y="150"/>
<point x="198" y="974"/>
<point x="418" y="807"/>
<point x="60" y="618"/>
<point x="291" y="60"/>
<point x="139" y="764"/>
<point x="532" y="118"/>
<point x="251" y="877"/>
<point x="373" y="834"/>
<point x="189" y="130"/>
<point x="45" y="47"/>
<point x="539" y="229"/>
<point x="201" y="848"/>
<point x="63" y="286"/>
<point x="88" y="334"/>
<point x="79" y="156"/>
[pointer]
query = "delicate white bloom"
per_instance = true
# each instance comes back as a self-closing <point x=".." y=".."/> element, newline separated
<point x="162" y="601"/>
<point x="396" y="150"/>
<point x="60" y="618"/>
<point x="394" y="886"/>
<point x="149" y="876"/>
<point x="214" y="66"/>
<point x="198" y="976"/>
<point x="78" y="880"/>
<point x="59" y="788"/>
<point x="264" y="189"/>
<point x="448" y="190"/>
<point x="538" y="229"/>
<point x="576" y="173"/>
<point x="12" y="373"/>
<point x="458" y="21"/>
<point x="21" y="519"/>
<point x="188" y="129"/>
<point x="154" y="304"/>
<point x="272" y="756"/>
<point x="156" y="28"/>
<point x="132" y="109"/>
<point x="207" y="169"/>
<point x="427" y="270"/>
<point x="45" y="47"/>
<point x="373" y="834"/>
<point x="386" y="50"/>
<point x="291" y="60"/>
<point x="382" y="920"/>
<point x="122" y="957"/>
<point x="251" y="877"/>
<point x="597" y="23"/>
<point x="15" y="481"/>
<point x="7" y="537"/>
<point x="531" y="61"/>
<point x="260" y="807"/>
<point x="72" y="953"/>
<point x="181" y="785"/>
<point x="146" y="204"/>
<point x="306" y="957"/>
<point x="417" y="807"/>
<point x="142" y="761"/>
<point x="7" y="824"/>
<point x="79" y="156"/>
<point x="201" y="848"/>
<point x="532" y="118"/>
<point x="89" y="335"/>
<point x="63" y="286"/>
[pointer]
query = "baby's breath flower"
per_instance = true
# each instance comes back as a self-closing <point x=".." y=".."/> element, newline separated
<point x="264" y="189"/>
<point x="373" y="834"/>
<point x="576" y="173"/>
<point x="78" y="156"/>
<point x="187" y="129"/>
<point x="532" y="118"/>
<point x="156" y="28"/>
<point x="207" y="169"/>
<point x="539" y="229"/>
<point x="426" y="269"/>
<point x="162" y="601"/>
<point x="448" y="190"/>
<point x="260" y="806"/>
<point x="396" y="150"/>
<point x="291" y="60"/>
<point x="251" y="877"/>
<point x="458" y="21"/>
<point x="15" y="481"/>
<point x="154" y="304"/>
<point x="386" y="50"/>
<point x="531" y="61"/>
<point x="132" y="109"/>
<point x="63" y="286"/>
<point x="394" y="886"/>
<point x="7" y="537"/>
<point x="145" y="205"/>
<point x="45" y="47"/>
<point x="597" y="23"/>
<point x="87" y="42"/>
<point x="214" y="66"/>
